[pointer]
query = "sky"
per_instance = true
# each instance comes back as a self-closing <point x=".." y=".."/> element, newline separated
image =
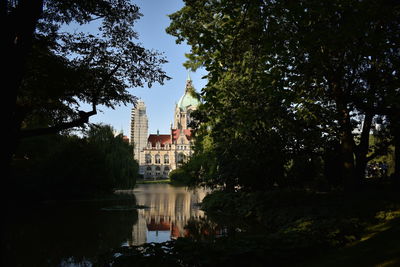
<point x="159" y="100"/>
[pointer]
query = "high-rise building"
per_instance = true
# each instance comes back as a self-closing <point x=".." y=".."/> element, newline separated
<point x="139" y="132"/>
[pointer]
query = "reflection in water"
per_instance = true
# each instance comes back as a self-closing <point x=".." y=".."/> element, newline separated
<point x="64" y="235"/>
<point x="75" y="234"/>
<point x="170" y="209"/>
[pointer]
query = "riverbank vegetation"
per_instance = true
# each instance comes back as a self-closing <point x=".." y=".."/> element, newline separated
<point x="70" y="167"/>
<point x="301" y="97"/>
<point x="160" y="181"/>
<point x="282" y="228"/>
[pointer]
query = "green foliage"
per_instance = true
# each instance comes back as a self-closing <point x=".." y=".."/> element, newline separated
<point x="64" y="167"/>
<point x="122" y="169"/>
<point x="304" y="219"/>
<point x="58" y="70"/>
<point x="285" y="81"/>
<point x="179" y="176"/>
<point x="59" y="167"/>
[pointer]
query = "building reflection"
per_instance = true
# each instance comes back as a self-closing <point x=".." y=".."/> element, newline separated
<point x="170" y="209"/>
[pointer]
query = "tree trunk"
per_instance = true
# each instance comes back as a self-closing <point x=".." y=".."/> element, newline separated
<point x="396" y="174"/>
<point x="346" y="138"/>
<point x="362" y="148"/>
<point x="19" y="24"/>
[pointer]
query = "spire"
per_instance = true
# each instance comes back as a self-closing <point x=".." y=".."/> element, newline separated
<point x="188" y="82"/>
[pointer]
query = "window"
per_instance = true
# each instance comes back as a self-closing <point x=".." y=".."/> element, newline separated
<point x="148" y="171"/>
<point x="181" y="157"/>
<point x="166" y="159"/>
<point x="157" y="159"/>
<point x="189" y="119"/>
<point x="166" y="171"/>
<point x="158" y="171"/>
<point x="148" y="158"/>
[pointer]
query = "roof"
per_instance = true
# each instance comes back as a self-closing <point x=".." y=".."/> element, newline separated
<point x="177" y="132"/>
<point x="187" y="99"/>
<point x="162" y="138"/>
<point x="162" y="225"/>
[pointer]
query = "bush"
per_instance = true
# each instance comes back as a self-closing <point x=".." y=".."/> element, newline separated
<point x="179" y="177"/>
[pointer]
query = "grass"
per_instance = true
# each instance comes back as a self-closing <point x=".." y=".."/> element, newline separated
<point x="379" y="247"/>
<point x="163" y="181"/>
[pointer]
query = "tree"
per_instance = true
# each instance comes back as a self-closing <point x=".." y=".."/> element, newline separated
<point x="290" y="77"/>
<point x="68" y="166"/>
<point x="122" y="169"/>
<point x="88" y="68"/>
<point x="247" y="114"/>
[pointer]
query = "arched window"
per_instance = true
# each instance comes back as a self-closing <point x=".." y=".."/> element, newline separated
<point x="157" y="159"/>
<point x="158" y="168"/>
<point x="148" y="168"/>
<point x="148" y="158"/>
<point x="166" y="159"/>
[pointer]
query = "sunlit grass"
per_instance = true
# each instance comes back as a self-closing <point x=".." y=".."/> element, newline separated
<point x="379" y="247"/>
<point x="163" y="181"/>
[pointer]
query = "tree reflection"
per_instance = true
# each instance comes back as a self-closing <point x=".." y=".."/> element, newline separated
<point x="58" y="235"/>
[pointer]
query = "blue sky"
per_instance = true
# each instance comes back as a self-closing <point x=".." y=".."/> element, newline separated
<point x="160" y="100"/>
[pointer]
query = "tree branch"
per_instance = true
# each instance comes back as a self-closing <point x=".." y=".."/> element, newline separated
<point x="83" y="118"/>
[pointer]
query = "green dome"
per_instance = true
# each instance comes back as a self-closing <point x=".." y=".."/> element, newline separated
<point x="187" y="100"/>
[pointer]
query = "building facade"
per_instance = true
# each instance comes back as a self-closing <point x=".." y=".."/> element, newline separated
<point x="162" y="153"/>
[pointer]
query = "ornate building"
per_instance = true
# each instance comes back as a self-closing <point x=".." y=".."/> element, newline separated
<point x="164" y="152"/>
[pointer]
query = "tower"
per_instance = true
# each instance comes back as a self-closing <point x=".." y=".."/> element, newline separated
<point x="139" y="132"/>
<point x="186" y="104"/>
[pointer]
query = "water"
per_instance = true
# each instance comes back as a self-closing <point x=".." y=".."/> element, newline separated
<point x="74" y="234"/>
<point x="168" y="211"/>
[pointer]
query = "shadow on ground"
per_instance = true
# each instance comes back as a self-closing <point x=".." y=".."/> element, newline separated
<point x="380" y="248"/>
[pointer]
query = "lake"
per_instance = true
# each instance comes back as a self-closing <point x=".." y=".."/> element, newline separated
<point x="75" y="233"/>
